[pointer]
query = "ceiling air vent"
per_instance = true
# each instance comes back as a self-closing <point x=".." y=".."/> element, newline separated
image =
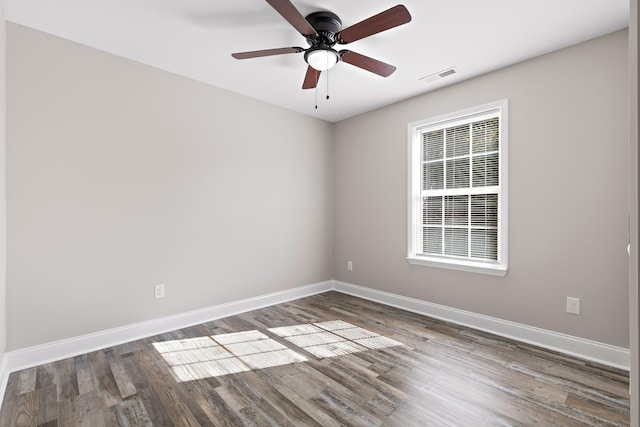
<point x="439" y="75"/>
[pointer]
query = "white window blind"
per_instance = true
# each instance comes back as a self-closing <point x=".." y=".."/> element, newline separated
<point x="457" y="190"/>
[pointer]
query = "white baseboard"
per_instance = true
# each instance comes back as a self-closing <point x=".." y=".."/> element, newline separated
<point x="4" y="375"/>
<point x="605" y="354"/>
<point x="37" y="355"/>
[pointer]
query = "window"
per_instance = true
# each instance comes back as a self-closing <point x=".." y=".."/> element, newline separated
<point x="458" y="190"/>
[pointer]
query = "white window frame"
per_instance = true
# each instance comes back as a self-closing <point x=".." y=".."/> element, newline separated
<point x="415" y="130"/>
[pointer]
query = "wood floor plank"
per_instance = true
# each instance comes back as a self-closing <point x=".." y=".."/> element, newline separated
<point x="166" y="391"/>
<point x="341" y="407"/>
<point x="102" y="378"/>
<point x="262" y="386"/>
<point x="66" y="379"/>
<point x="376" y="394"/>
<point x="147" y="396"/>
<point x="431" y="373"/>
<point x="45" y="377"/>
<point x="27" y="414"/>
<point x="129" y="413"/>
<point x="110" y="417"/>
<point x="256" y="407"/>
<point x="84" y="410"/>
<point x="27" y="380"/>
<point x="124" y="384"/>
<point x="10" y="405"/>
<point x="48" y="405"/>
<point x="297" y="393"/>
<point x="599" y="412"/>
<point x="84" y="376"/>
<point x="181" y="388"/>
<point x="213" y="404"/>
<point x="18" y="384"/>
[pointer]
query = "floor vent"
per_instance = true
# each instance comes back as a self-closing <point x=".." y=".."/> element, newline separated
<point x="439" y="75"/>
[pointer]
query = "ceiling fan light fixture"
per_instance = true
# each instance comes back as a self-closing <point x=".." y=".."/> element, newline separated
<point x="321" y="58"/>
<point x="323" y="30"/>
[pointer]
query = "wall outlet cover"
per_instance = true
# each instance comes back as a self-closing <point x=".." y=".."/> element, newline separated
<point x="159" y="291"/>
<point x="573" y="305"/>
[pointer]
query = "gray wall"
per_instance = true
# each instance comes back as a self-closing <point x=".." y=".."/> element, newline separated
<point x="567" y="198"/>
<point x="121" y="176"/>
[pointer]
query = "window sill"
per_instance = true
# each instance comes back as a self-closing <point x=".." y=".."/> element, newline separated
<point x="469" y="266"/>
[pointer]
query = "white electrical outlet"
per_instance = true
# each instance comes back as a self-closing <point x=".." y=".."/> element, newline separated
<point x="349" y="266"/>
<point x="159" y="291"/>
<point x="573" y="305"/>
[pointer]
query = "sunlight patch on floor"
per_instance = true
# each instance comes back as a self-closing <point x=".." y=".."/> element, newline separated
<point x="216" y="355"/>
<point x="205" y="357"/>
<point x="333" y="338"/>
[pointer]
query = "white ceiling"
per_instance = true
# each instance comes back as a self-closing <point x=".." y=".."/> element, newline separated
<point x="195" y="38"/>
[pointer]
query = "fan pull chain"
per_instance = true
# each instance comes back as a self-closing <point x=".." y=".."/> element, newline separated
<point x="327" y="82"/>
<point x="317" y="76"/>
<point x="327" y="76"/>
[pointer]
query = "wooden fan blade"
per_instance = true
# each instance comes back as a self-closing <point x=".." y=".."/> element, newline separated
<point x="378" y="67"/>
<point x="311" y="78"/>
<point x="383" y="21"/>
<point x="267" y="52"/>
<point x="293" y="16"/>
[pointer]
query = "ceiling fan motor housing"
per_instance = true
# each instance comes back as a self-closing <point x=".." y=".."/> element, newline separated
<point x="327" y="24"/>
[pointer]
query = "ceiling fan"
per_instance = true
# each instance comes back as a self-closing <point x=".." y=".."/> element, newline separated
<point x="323" y="30"/>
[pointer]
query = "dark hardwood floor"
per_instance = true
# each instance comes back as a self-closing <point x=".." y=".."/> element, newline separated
<point x="326" y="360"/>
